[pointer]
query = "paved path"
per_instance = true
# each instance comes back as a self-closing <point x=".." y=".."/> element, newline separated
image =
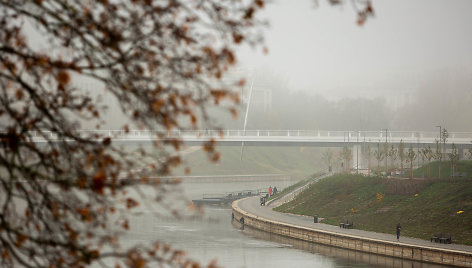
<point x="289" y="196"/>
<point x="253" y="206"/>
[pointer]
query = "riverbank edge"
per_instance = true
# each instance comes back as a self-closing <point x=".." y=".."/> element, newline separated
<point x="352" y="242"/>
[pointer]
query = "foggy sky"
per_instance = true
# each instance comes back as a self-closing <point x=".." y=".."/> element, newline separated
<point x="321" y="50"/>
<point x="414" y="57"/>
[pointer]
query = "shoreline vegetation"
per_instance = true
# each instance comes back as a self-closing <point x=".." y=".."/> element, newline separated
<point x="423" y="206"/>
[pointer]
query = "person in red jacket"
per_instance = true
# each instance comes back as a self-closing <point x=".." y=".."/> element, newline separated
<point x="270" y="190"/>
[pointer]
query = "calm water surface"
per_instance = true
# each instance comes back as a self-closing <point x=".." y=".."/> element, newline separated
<point x="213" y="236"/>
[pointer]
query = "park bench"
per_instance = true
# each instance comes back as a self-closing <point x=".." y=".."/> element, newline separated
<point x="346" y="224"/>
<point x="460" y="174"/>
<point x="441" y="238"/>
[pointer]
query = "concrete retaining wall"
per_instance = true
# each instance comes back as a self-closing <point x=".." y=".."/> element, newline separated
<point x="386" y="248"/>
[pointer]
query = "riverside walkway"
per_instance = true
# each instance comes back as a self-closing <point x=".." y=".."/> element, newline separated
<point x="303" y="227"/>
<point x="253" y="206"/>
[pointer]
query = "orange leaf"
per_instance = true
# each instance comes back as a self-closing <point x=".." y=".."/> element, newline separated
<point x="99" y="182"/>
<point x="237" y="38"/>
<point x="63" y="78"/>
<point x="215" y="157"/>
<point x="131" y="203"/>
<point x="82" y="182"/>
<point x="266" y="50"/>
<point x="19" y="94"/>
<point x="234" y="113"/>
<point x="126" y="225"/>
<point x="19" y="240"/>
<point x="191" y="206"/>
<point x="5" y="254"/>
<point x="259" y="3"/>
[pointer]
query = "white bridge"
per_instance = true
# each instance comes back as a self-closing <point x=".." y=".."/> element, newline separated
<point x="298" y="138"/>
<point x="277" y="137"/>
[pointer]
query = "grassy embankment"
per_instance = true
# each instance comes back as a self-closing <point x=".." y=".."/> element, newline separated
<point x="423" y="207"/>
<point x="295" y="186"/>
<point x="431" y="170"/>
<point x="299" y="162"/>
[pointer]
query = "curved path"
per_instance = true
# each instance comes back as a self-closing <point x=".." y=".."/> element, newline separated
<point x="252" y="206"/>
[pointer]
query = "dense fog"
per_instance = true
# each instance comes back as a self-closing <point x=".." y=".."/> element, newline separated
<point x="408" y="68"/>
<point x="444" y="99"/>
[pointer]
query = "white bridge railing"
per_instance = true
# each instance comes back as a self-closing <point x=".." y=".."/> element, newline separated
<point x="270" y="135"/>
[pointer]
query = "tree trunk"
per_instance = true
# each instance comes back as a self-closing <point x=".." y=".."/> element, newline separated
<point x="378" y="168"/>
<point x="369" y="167"/>
<point x="452" y="170"/>
<point x="411" y="169"/>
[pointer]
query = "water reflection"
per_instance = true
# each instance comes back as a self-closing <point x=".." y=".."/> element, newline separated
<point x="349" y="258"/>
<point x="212" y="235"/>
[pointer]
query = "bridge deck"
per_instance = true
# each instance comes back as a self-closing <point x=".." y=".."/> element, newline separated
<point x="278" y="137"/>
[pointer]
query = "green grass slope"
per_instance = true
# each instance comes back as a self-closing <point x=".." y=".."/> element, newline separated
<point x="423" y="207"/>
<point x="296" y="161"/>
<point x="432" y="169"/>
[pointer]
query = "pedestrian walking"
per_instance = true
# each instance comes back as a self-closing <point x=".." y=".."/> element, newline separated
<point x="399" y="228"/>
<point x="270" y="191"/>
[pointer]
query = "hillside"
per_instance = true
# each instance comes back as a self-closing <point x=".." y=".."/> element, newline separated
<point x="299" y="162"/>
<point x="423" y="207"/>
<point x="462" y="168"/>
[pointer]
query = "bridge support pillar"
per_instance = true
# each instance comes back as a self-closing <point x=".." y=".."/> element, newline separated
<point x="357" y="162"/>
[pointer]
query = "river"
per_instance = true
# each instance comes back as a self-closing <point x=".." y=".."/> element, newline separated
<point x="212" y="236"/>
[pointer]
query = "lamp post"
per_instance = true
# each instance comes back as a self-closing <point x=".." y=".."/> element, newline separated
<point x="386" y="152"/>
<point x="348" y="162"/>
<point x="342" y="154"/>
<point x="357" y="153"/>
<point x="418" y="150"/>
<point x="440" y="152"/>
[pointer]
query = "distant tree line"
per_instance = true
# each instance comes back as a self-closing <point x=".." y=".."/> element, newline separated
<point x="391" y="158"/>
<point x="428" y="106"/>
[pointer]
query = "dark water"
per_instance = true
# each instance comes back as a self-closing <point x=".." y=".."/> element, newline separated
<point x="212" y="236"/>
